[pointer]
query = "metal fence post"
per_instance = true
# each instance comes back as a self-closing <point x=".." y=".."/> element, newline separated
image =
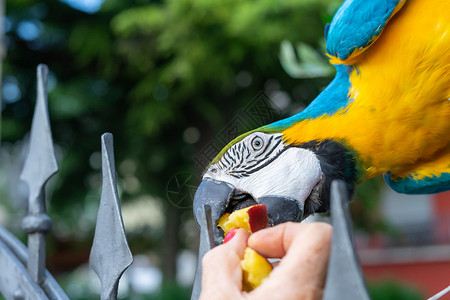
<point x="206" y="244"/>
<point x="345" y="279"/>
<point x="40" y="165"/>
<point x="110" y="254"/>
<point x="23" y="274"/>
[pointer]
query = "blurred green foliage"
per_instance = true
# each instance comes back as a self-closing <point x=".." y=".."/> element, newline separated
<point x="165" y="77"/>
<point x="147" y="71"/>
<point x="364" y="208"/>
<point x="393" y="290"/>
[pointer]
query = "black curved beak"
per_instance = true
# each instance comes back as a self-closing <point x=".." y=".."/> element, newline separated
<point x="210" y="201"/>
<point x="216" y="194"/>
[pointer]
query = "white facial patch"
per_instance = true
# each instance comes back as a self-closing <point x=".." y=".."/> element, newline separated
<point x="261" y="165"/>
<point x="293" y="174"/>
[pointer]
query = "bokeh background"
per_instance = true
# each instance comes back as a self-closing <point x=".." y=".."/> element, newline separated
<point x="174" y="81"/>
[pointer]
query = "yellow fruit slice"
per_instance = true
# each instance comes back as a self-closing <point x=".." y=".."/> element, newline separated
<point x="252" y="219"/>
<point x="255" y="268"/>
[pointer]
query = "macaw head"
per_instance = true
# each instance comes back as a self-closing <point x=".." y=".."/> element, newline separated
<point x="263" y="167"/>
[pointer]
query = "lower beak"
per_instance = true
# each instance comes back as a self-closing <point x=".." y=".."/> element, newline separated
<point x="282" y="209"/>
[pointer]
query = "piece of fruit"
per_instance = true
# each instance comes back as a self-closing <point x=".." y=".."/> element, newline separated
<point x="255" y="268"/>
<point x="252" y="218"/>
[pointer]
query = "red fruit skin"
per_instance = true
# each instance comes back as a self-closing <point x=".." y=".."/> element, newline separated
<point x="230" y="234"/>
<point x="257" y="217"/>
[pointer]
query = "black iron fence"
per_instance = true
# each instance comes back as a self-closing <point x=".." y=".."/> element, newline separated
<point x="23" y="274"/>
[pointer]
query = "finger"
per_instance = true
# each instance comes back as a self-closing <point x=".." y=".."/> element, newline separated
<point x="221" y="272"/>
<point x="302" y="271"/>
<point x="274" y="241"/>
<point x="308" y="253"/>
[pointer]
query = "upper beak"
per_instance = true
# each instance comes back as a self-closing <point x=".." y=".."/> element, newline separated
<point x="210" y="201"/>
<point x="216" y="194"/>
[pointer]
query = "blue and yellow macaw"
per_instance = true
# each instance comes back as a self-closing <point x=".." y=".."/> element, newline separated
<point x="387" y="111"/>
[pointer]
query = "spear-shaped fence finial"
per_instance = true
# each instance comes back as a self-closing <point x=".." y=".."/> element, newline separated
<point x="206" y="244"/>
<point x="40" y="165"/>
<point x="344" y="279"/>
<point x="110" y="254"/>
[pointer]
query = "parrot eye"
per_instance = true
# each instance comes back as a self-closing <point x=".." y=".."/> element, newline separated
<point x="257" y="143"/>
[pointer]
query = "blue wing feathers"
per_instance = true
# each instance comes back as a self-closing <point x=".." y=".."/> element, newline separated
<point x="356" y="24"/>
<point x="428" y="185"/>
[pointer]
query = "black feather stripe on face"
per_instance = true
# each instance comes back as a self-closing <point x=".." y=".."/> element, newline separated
<point x="241" y="161"/>
<point x="336" y="162"/>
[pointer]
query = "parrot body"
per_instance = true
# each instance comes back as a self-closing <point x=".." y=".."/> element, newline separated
<point x="397" y="117"/>
<point x="387" y="111"/>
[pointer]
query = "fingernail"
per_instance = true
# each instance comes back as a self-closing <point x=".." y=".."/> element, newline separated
<point x="230" y="234"/>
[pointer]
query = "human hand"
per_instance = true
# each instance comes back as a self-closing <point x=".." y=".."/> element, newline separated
<point x="303" y="247"/>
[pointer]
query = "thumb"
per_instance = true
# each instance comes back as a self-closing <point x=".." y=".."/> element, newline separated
<point x="221" y="271"/>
